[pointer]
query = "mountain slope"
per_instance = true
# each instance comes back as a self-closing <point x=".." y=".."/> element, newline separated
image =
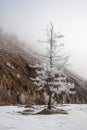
<point x="16" y="70"/>
<point x="15" y="74"/>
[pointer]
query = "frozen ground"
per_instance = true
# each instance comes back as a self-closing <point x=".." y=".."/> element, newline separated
<point x="76" y="120"/>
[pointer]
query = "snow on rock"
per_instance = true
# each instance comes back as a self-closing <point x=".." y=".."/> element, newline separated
<point x="22" y="98"/>
<point x="46" y="97"/>
<point x="18" y="75"/>
<point x="9" y="65"/>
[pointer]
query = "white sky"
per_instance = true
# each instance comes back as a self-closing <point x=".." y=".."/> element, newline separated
<point x="27" y="18"/>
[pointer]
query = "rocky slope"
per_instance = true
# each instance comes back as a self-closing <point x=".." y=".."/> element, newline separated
<point x="80" y="86"/>
<point x="16" y="70"/>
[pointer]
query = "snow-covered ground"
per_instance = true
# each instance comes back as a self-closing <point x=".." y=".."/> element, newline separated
<point x="10" y="119"/>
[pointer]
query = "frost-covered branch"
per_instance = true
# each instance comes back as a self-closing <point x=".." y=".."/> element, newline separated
<point x="50" y="73"/>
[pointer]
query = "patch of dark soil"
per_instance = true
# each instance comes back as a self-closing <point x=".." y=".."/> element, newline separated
<point x="52" y="111"/>
<point x="26" y="112"/>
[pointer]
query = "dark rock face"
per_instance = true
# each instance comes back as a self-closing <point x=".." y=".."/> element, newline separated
<point x="15" y="74"/>
<point x="15" y="84"/>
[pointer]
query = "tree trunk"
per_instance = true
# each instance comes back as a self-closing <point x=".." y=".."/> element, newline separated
<point x="56" y="96"/>
<point x="49" y="103"/>
<point x="50" y="93"/>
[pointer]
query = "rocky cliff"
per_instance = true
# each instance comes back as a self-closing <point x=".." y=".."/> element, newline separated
<point x="15" y="72"/>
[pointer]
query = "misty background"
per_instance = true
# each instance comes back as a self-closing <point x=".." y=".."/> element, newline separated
<point x="28" y="19"/>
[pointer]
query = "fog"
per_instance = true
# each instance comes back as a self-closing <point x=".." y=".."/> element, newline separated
<point x="28" y="19"/>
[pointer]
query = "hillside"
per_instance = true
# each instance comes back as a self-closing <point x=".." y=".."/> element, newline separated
<point x="16" y="70"/>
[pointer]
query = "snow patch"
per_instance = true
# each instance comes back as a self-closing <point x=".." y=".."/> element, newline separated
<point x="76" y="119"/>
<point x="9" y="65"/>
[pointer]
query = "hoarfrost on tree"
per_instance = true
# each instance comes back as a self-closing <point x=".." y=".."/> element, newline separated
<point x="50" y="73"/>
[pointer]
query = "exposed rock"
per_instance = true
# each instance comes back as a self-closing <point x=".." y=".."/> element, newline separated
<point x="15" y="74"/>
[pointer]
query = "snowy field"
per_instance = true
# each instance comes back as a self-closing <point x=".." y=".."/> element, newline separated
<point x="76" y="120"/>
